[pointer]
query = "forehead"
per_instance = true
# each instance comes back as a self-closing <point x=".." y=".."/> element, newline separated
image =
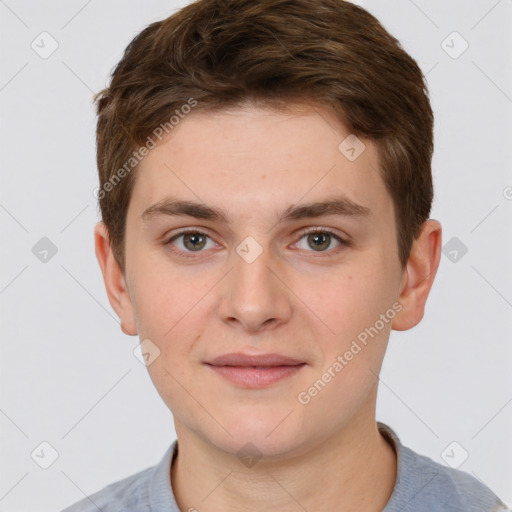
<point x="250" y="160"/>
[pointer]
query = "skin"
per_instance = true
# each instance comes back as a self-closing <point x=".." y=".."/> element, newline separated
<point x="292" y="300"/>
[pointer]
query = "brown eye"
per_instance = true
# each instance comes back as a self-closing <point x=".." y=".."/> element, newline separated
<point x="189" y="242"/>
<point x="194" y="241"/>
<point x="320" y="240"/>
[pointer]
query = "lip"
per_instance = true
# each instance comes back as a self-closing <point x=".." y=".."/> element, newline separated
<point x="255" y="371"/>
<point x="240" y="359"/>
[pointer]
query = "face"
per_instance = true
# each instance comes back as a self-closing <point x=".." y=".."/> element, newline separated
<point x="256" y="269"/>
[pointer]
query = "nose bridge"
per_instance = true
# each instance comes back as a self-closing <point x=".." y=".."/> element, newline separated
<point x="254" y="294"/>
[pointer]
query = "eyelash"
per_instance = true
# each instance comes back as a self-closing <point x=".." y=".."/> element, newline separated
<point x="302" y="234"/>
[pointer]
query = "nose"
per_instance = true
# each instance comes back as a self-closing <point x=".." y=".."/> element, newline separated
<point x="255" y="297"/>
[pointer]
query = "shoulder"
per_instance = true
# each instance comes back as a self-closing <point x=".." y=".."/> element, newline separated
<point x="434" y="487"/>
<point x="128" y="494"/>
<point x="149" y="489"/>
<point x="424" y="485"/>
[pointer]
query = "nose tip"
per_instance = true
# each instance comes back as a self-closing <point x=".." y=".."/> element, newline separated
<point x="251" y="322"/>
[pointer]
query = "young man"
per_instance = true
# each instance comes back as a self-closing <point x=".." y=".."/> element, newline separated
<point x="265" y="189"/>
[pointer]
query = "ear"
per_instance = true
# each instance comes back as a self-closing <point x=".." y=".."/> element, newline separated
<point x="419" y="275"/>
<point x="114" y="279"/>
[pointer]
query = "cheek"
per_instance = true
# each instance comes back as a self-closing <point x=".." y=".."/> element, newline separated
<point x="352" y="305"/>
<point x="348" y="300"/>
<point x="171" y="310"/>
<point x="162" y="298"/>
<point x="179" y="381"/>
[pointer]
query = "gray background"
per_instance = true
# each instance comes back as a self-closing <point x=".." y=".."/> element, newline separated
<point x="69" y="376"/>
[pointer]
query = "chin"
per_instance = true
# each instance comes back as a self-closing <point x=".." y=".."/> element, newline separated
<point x="268" y="437"/>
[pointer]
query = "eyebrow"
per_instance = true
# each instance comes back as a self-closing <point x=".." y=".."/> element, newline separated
<point x="336" y="206"/>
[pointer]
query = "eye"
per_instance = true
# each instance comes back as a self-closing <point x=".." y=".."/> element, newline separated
<point x="321" y="239"/>
<point x="192" y="241"/>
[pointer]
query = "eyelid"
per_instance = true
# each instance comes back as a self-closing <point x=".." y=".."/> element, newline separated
<point x="343" y="241"/>
<point x="185" y="231"/>
<point x="320" y="229"/>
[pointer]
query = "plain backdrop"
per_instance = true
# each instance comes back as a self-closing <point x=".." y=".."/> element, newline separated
<point x="69" y="377"/>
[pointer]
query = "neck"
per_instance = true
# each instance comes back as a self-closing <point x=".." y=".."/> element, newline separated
<point x="352" y="471"/>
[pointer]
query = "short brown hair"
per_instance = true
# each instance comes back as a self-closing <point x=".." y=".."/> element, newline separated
<point x="276" y="53"/>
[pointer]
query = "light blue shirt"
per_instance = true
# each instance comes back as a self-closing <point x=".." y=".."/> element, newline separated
<point x="422" y="485"/>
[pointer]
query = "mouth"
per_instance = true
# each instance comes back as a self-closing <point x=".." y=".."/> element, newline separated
<point x="255" y="371"/>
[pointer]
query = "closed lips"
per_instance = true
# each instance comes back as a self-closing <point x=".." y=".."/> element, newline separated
<point x="257" y="361"/>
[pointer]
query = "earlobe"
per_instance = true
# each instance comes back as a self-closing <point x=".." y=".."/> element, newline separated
<point x="114" y="279"/>
<point x="419" y="275"/>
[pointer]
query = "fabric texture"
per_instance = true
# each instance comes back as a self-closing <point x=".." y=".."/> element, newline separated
<point x="422" y="485"/>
